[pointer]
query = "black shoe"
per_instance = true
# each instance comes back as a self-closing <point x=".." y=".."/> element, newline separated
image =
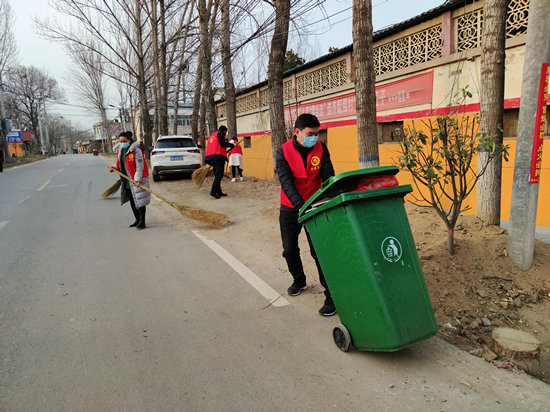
<point x="328" y="308"/>
<point x="217" y="196"/>
<point x="296" y="288"/>
<point x="135" y="223"/>
<point x="222" y="194"/>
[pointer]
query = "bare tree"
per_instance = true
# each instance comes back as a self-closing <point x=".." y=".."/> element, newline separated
<point x="120" y="28"/>
<point x="365" y="96"/>
<point x="183" y="64"/>
<point x="88" y="81"/>
<point x="229" y="83"/>
<point x="491" y="107"/>
<point x="207" y="18"/>
<point x="275" y="74"/>
<point x="8" y="55"/>
<point x="29" y="91"/>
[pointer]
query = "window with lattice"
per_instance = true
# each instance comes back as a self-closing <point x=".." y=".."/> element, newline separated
<point x="264" y="97"/>
<point x="328" y="77"/>
<point x="287" y="90"/>
<point x="468" y="30"/>
<point x="247" y="103"/>
<point x="407" y="51"/>
<point x="516" y="19"/>
<point x="469" y="26"/>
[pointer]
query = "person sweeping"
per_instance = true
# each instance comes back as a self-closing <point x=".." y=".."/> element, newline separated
<point x="303" y="164"/>
<point x="216" y="156"/>
<point x="131" y="162"/>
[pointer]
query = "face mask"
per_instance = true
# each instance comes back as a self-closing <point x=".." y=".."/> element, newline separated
<point x="125" y="145"/>
<point x="309" y="141"/>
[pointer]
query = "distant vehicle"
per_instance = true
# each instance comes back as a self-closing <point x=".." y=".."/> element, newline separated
<point x="174" y="154"/>
<point x="95" y="152"/>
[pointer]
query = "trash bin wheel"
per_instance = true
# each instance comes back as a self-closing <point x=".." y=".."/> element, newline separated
<point x="341" y="337"/>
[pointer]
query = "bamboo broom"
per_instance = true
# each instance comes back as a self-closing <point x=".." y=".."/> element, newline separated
<point x="196" y="213"/>
<point x="199" y="175"/>
<point x="111" y="189"/>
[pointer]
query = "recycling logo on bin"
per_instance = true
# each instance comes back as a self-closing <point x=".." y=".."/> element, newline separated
<point x="391" y="249"/>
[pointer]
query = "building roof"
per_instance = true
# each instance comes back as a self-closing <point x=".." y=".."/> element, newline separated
<point x="378" y="35"/>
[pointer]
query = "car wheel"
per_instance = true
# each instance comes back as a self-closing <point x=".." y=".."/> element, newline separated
<point x="156" y="177"/>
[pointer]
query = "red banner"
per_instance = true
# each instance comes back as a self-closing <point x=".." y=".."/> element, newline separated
<point x="411" y="91"/>
<point x="540" y="121"/>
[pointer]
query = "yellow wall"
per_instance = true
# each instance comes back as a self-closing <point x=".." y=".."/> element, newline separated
<point x="342" y="143"/>
<point x="257" y="160"/>
<point x="16" y="148"/>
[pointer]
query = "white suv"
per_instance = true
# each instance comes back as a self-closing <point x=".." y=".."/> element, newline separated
<point x="175" y="154"/>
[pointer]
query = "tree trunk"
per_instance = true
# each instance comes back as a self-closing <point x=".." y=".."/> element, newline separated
<point x="196" y="116"/>
<point x="182" y="69"/>
<point x="491" y="107"/>
<point x="106" y="130"/>
<point x="365" y="77"/>
<point x="156" y="70"/>
<point x="203" y="130"/>
<point x="141" y="83"/>
<point x="205" y="16"/>
<point x="275" y="75"/>
<point x="229" y="84"/>
<point x="163" y="81"/>
<point x="451" y="241"/>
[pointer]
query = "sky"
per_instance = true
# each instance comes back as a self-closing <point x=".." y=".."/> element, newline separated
<point x="323" y="30"/>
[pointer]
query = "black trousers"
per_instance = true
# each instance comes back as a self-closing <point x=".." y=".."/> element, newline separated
<point x="236" y="170"/>
<point x="290" y="231"/>
<point x="128" y="195"/>
<point x="218" y="167"/>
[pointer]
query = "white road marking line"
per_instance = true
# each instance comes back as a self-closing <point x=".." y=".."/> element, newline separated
<point x="4" y="223"/>
<point x="263" y="288"/>
<point x="43" y="186"/>
<point x="22" y="200"/>
<point x="60" y="170"/>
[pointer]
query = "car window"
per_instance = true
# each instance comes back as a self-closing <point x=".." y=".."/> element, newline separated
<point x="174" y="143"/>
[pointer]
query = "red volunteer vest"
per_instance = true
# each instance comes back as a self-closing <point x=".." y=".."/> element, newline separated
<point x="131" y="164"/>
<point x="307" y="181"/>
<point x="236" y="150"/>
<point x="213" y="146"/>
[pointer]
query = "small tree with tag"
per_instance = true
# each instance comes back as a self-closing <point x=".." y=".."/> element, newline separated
<point x="441" y="162"/>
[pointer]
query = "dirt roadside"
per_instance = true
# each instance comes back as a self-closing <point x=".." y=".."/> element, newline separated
<point x="472" y="292"/>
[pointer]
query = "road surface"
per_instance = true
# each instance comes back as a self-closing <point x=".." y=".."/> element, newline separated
<point x="97" y="316"/>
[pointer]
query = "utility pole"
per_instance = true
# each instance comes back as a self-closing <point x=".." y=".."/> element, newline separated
<point x="523" y="208"/>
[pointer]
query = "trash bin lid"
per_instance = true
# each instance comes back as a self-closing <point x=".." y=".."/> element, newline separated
<point x="339" y="183"/>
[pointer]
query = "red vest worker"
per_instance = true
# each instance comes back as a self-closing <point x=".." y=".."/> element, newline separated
<point x="216" y="156"/>
<point x="303" y="164"/>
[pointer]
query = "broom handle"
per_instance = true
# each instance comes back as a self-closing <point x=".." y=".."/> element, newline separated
<point x="142" y="186"/>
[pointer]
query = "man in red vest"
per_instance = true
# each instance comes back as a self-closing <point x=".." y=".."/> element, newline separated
<point x="216" y="156"/>
<point x="303" y="164"/>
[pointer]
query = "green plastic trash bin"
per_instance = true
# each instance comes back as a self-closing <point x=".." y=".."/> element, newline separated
<point x="365" y="246"/>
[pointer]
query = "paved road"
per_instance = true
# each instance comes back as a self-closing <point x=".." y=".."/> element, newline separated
<point x="96" y="316"/>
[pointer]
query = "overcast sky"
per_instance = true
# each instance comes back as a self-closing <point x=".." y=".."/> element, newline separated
<point x="333" y="31"/>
